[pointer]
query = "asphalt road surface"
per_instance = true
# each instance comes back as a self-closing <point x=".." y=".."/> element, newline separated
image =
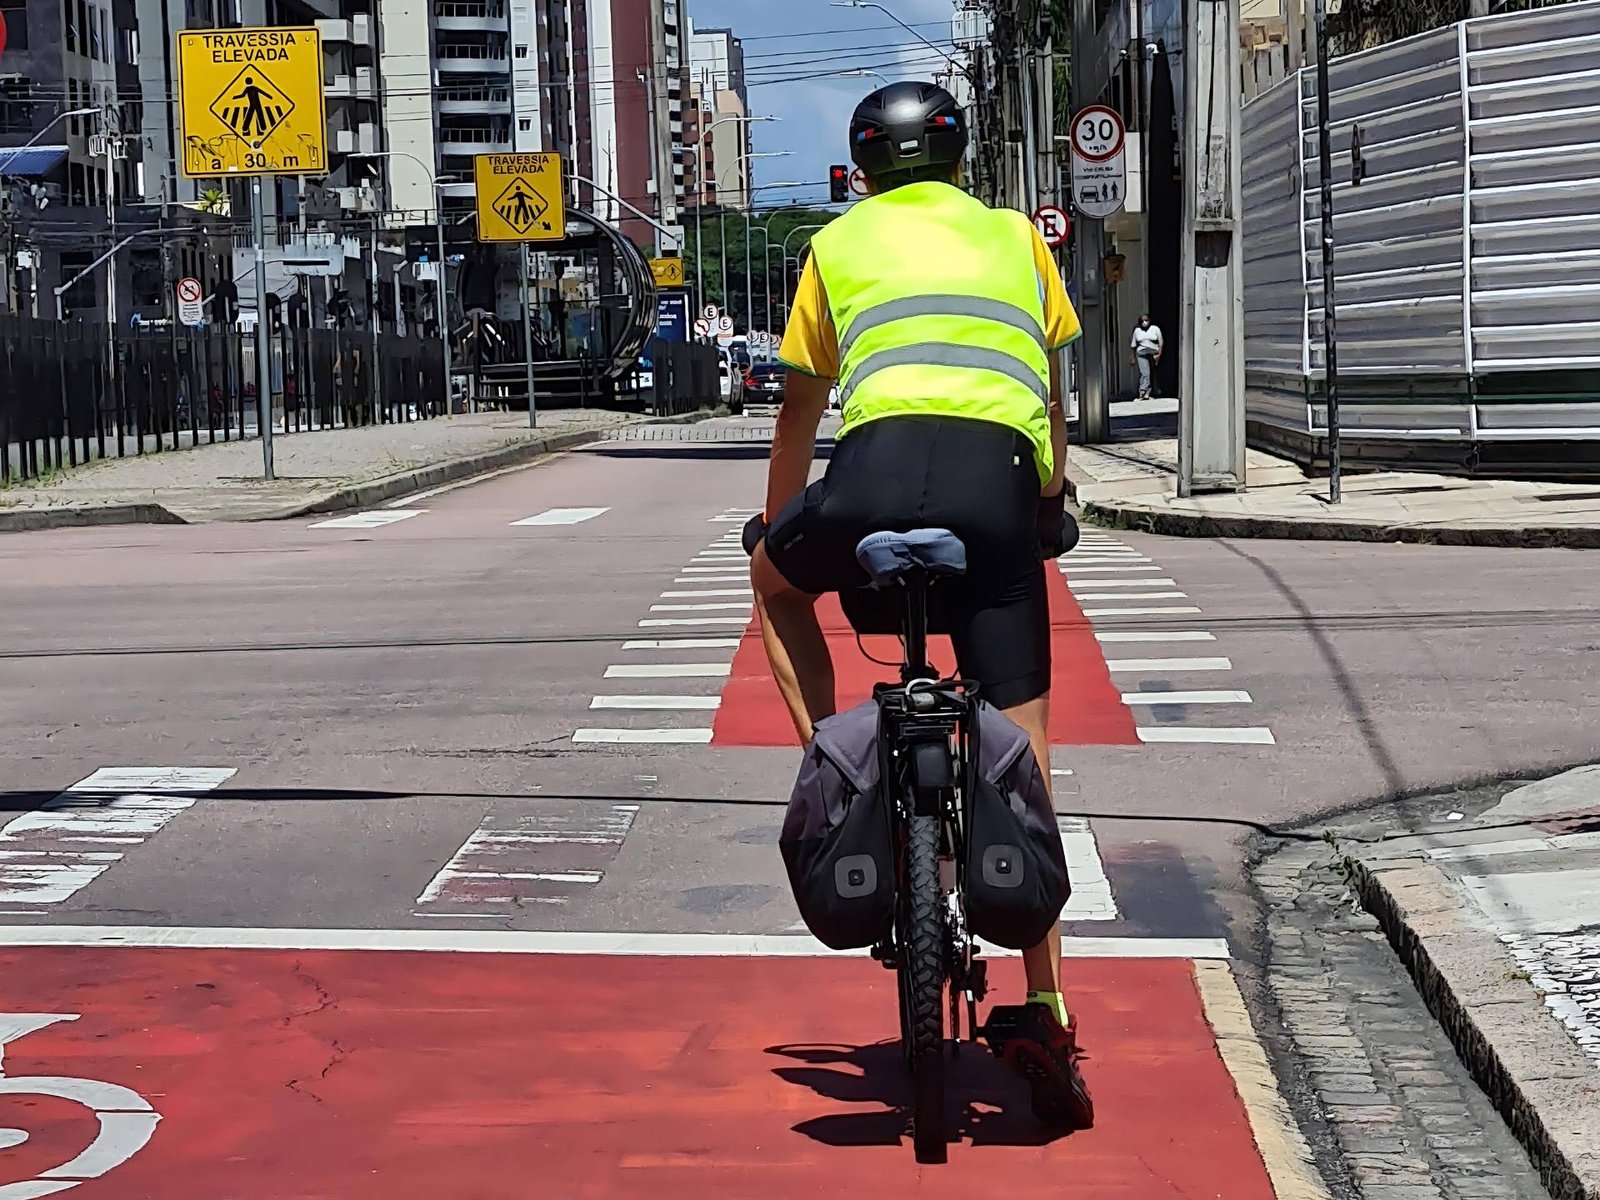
<point x="299" y="769"/>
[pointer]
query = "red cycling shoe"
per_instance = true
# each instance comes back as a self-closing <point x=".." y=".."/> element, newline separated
<point x="1038" y="1047"/>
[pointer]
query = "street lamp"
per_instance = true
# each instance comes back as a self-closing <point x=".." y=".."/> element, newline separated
<point x="862" y="73"/>
<point x="936" y="49"/>
<point x="791" y="233"/>
<point x="723" y="222"/>
<point x="699" y="202"/>
<point x="438" y="220"/>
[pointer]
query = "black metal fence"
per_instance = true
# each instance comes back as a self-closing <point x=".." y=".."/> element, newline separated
<point x="686" y="378"/>
<point x="70" y="393"/>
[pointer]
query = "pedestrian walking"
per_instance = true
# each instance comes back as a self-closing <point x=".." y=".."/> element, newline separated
<point x="1147" y="346"/>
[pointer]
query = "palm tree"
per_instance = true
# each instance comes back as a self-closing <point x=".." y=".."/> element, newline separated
<point x="214" y="201"/>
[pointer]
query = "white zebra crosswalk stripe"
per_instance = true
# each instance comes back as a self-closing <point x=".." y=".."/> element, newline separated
<point x="543" y="858"/>
<point x="1151" y="665"/>
<point x="1155" y="635"/>
<point x="1178" y="610"/>
<point x="1155" y="699"/>
<point x="657" y="703"/>
<point x="644" y="737"/>
<point x="369" y="520"/>
<point x="1169" y="595"/>
<point x="563" y="516"/>
<point x="1120" y="583"/>
<point x="1208" y="735"/>
<point x="48" y="856"/>
<point x="1091" y="898"/>
<point x="669" y="671"/>
<point x="683" y="644"/>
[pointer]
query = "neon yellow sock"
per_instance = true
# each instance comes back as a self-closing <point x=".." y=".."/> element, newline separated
<point x="1054" y="1002"/>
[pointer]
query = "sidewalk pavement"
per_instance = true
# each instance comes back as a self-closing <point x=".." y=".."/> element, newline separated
<point x="1131" y="483"/>
<point x="1497" y="916"/>
<point x="318" y="471"/>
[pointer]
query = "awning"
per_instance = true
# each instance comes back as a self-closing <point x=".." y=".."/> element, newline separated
<point x="30" y="161"/>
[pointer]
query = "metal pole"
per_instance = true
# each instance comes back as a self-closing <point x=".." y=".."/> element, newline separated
<point x="111" y="271"/>
<point x="749" y="280"/>
<point x="527" y="338"/>
<point x="258" y="223"/>
<point x="722" y="226"/>
<point x="444" y="308"/>
<point x="372" y="316"/>
<point x="699" y="255"/>
<point x="1330" y="353"/>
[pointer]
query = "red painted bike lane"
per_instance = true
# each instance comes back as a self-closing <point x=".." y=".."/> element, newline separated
<point x="281" y="1075"/>
<point x="1086" y="708"/>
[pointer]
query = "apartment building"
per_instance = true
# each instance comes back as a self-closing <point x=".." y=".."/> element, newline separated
<point x="716" y="71"/>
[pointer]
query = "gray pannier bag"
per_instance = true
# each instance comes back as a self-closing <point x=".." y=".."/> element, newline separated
<point x="835" y="840"/>
<point x="838" y="851"/>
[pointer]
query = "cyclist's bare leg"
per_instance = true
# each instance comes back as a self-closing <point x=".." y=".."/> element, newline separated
<point x="795" y="647"/>
<point x="1042" y="963"/>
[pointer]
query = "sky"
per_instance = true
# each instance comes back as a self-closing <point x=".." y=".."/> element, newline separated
<point x="794" y="51"/>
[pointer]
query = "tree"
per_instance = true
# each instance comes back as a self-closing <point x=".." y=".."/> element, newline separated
<point x="766" y="271"/>
<point x="214" y="201"/>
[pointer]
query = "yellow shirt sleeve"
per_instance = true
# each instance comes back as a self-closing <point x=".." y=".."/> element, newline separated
<point x="810" y="343"/>
<point x="1061" y="326"/>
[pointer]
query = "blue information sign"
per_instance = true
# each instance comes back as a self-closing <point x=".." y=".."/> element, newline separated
<point x="672" y="316"/>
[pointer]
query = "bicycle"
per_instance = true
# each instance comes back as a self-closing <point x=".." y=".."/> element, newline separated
<point x="926" y="751"/>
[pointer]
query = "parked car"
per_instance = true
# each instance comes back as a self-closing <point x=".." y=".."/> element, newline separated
<point x="732" y="384"/>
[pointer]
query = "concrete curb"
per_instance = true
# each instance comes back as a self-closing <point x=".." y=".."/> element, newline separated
<point x="20" y="520"/>
<point x="362" y="495"/>
<point x="1198" y="525"/>
<point x="1532" y="1072"/>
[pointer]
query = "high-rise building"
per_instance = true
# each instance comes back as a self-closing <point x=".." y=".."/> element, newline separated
<point x="716" y="69"/>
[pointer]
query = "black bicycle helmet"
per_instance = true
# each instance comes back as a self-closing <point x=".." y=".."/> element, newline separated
<point x="907" y="127"/>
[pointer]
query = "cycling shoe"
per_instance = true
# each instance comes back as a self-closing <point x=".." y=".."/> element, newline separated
<point x="1034" y="1044"/>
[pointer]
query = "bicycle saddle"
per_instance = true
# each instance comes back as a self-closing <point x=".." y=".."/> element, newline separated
<point x="889" y="557"/>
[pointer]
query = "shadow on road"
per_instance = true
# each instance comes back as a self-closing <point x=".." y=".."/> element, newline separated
<point x="984" y="1102"/>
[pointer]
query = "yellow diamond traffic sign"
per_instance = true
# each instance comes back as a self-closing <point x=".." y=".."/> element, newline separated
<point x="668" y="272"/>
<point x="251" y="102"/>
<point x="520" y="198"/>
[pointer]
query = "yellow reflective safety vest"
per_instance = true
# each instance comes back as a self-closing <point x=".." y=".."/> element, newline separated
<point x="939" y="311"/>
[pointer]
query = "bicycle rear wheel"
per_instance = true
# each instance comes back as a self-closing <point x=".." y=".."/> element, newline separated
<point x="922" y="988"/>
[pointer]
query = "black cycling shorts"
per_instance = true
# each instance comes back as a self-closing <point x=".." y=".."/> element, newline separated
<point x="974" y="478"/>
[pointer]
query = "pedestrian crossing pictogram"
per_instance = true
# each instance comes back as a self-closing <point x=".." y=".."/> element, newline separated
<point x="252" y="106"/>
<point x="521" y="206"/>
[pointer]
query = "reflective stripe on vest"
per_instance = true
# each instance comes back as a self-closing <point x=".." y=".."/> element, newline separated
<point x="940" y="312"/>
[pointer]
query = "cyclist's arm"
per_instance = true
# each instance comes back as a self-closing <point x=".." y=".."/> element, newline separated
<point x="1058" y="426"/>
<point x="811" y="352"/>
<point x="1061" y="329"/>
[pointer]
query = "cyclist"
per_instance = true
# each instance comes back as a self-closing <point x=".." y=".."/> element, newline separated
<point x="940" y="319"/>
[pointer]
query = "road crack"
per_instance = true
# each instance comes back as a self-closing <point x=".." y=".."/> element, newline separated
<point x="336" y="1053"/>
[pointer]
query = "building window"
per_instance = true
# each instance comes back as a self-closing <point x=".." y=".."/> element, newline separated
<point x="522" y="51"/>
<point x="105" y="35"/>
<point x="525" y="124"/>
<point x="83" y="28"/>
<point x="69" y="18"/>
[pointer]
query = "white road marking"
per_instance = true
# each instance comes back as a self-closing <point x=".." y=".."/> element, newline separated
<point x="744" y="591"/>
<point x="368" y="520"/>
<point x="1148" y="665"/>
<point x="683" y="644"/>
<point x="1178" y="609"/>
<point x="40" y="858"/>
<point x="1155" y="699"/>
<point x="743" y="577"/>
<point x="669" y="670"/>
<point x="1077" y="570"/>
<point x="1121" y="583"/>
<point x="505" y="854"/>
<point x="666" y="703"/>
<point x="1091" y="898"/>
<point x="1169" y="595"/>
<point x="1245" y="736"/>
<point x="664" y="622"/>
<point x="645" y="737"/>
<point x="563" y="516"/>
<point x="498" y="941"/>
<point x="1156" y="635"/>
<point x="1104" y="560"/>
<point x="707" y="570"/>
<point x="734" y="606"/>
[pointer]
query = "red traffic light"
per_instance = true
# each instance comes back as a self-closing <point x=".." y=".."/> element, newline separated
<point x="838" y="183"/>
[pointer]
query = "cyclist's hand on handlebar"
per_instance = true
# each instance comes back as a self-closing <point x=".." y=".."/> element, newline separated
<point x="1057" y="531"/>
<point x="754" y="530"/>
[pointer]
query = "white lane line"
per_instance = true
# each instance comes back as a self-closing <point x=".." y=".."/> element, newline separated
<point x="666" y="622"/>
<point x="698" y="579"/>
<point x="1167" y="595"/>
<point x="504" y="855"/>
<point x="717" y="607"/>
<point x="1121" y="583"/>
<point x="669" y="670"/>
<point x="744" y="591"/>
<point x="1091" y="898"/>
<point x="644" y="737"/>
<point x="656" y="703"/>
<point x="1177" y="609"/>
<point x="1169" y="664"/>
<point x="1156" y="699"/>
<point x="1156" y="635"/>
<point x="1077" y="570"/>
<point x="1244" y="736"/>
<point x="563" y="516"/>
<point x="683" y="644"/>
<point x="545" y="941"/>
<point x="41" y="861"/>
<point x="1102" y="560"/>
<point x="368" y="520"/>
<point x="708" y="570"/>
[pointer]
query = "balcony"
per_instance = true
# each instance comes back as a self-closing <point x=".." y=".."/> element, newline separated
<point x="474" y="140"/>
<point x="474" y="101"/>
<point x="360" y="86"/>
<point x="473" y="58"/>
<point x="352" y="31"/>
<point x="467" y="16"/>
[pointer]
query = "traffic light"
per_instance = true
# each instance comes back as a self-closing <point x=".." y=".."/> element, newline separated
<point x="838" y="184"/>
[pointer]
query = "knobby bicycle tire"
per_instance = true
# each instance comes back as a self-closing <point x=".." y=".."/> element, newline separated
<point x="925" y="989"/>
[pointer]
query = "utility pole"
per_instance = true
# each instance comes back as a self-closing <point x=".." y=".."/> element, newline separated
<point x="1088" y="251"/>
<point x="1211" y="448"/>
<point x="258" y="223"/>
<point x="1330" y="346"/>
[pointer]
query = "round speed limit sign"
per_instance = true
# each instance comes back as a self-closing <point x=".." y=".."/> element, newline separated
<point x="1098" y="133"/>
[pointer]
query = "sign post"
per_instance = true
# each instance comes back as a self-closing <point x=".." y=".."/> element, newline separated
<point x="1099" y="161"/>
<point x="251" y="104"/>
<point x="521" y="198"/>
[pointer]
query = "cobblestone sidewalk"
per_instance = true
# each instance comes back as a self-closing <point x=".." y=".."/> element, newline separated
<point x="315" y="469"/>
